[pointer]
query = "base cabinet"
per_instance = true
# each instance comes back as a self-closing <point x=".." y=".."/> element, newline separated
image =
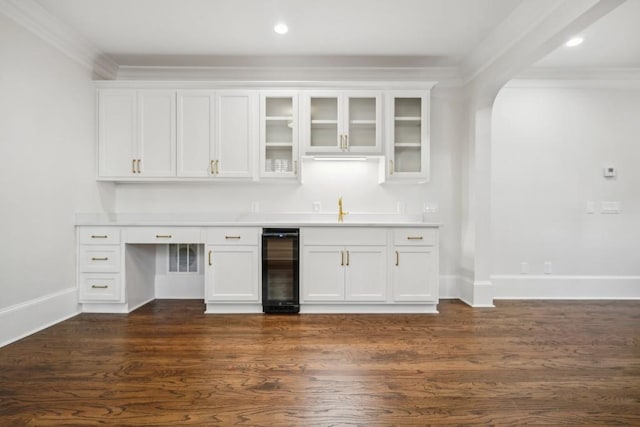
<point x="350" y="274"/>
<point x="232" y="274"/>
<point x="415" y="274"/>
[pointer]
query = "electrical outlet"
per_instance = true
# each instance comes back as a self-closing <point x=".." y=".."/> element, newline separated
<point x="610" y="207"/>
<point x="255" y="207"/>
<point x="591" y="207"/>
<point x="524" y="268"/>
<point x="315" y="207"/>
<point x="547" y="267"/>
<point x="430" y="208"/>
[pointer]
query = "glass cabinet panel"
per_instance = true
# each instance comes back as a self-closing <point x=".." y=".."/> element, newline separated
<point x="279" y="135"/>
<point x="323" y="122"/>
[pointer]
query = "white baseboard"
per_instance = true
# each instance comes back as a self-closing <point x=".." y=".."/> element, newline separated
<point x="24" y="319"/>
<point x="565" y="287"/>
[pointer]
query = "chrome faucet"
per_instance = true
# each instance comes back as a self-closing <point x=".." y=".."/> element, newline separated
<point x="341" y="213"/>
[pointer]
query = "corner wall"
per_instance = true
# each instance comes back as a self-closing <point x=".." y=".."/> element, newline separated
<point x="47" y="174"/>
<point x="550" y="146"/>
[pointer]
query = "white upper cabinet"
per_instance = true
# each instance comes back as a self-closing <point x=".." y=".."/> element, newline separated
<point x="157" y="138"/>
<point x="408" y="135"/>
<point x="196" y="134"/>
<point x="342" y="122"/>
<point x="279" y="134"/>
<point x="236" y="136"/>
<point x="216" y="134"/>
<point x="136" y="133"/>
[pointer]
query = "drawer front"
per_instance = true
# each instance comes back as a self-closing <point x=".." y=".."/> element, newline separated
<point x="100" y="287"/>
<point x="415" y="236"/>
<point x="344" y="236"/>
<point x="163" y="235"/>
<point x="233" y="236"/>
<point x="99" y="236"/>
<point x="99" y="259"/>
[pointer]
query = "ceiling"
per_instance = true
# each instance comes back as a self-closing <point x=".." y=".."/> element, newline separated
<point x="398" y="33"/>
<point x="611" y="42"/>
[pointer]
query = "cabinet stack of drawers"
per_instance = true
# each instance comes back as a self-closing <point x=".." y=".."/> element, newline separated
<point x="99" y="265"/>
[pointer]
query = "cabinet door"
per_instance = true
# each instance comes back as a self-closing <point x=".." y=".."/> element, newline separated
<point x="157" y="137"/>
<point x="195" y="133"/>
<point x="363" y="119"/>
<point x="323" y="273"/>
<point x="232" y="274"/>
<point x="236" y="132"/>
<point x="279" y="134"/>
<point x="322" y="118"/>
<point x="117" y="133"/>
<point x="415" y="274"/>
<point x="408" y="135"/>
<point x="366" y="273"/>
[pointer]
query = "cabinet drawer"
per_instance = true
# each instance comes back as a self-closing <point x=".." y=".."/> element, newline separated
<point x="99" y="236"/>
<point x="233" y="236"/>
<point x="162" y="235"/>
<point x="415" y="236"/>
<point x="344" y="236"/>
<point x="100" y="287"/>
<point x="99" y="259"/>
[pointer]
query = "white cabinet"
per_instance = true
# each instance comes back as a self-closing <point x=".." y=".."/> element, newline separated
<point x="342" y="122"/>
<point x="335" y="268"/>
<point x="407" y="121"/>
<point x="279" y="134"/>
<point x="216" y="133"/>
<point x="415" y="269"/>
<point x="99" y="265"/>
<point x="232" y="259"/>
<point x="136" y="133"/>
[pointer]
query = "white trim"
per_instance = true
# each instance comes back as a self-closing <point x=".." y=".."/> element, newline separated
<point x="24" y="319"/>
<point x="447" y="76"/>
<point x="262" y="84"/>
<point x="233" y="308"/>
<point x="476" y="293"/>
<point x="33" y="17"/>
<point x="565" y="287"/>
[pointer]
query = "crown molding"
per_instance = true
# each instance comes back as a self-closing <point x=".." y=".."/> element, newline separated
<point x="577" y="77"/>
<point x="445" y="76"/>
<point x="33" y="17"/>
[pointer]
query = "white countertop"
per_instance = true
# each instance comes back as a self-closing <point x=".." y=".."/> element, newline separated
<point x="271" y="219"/>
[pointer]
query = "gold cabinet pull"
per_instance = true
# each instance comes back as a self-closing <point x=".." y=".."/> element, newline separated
<point x="397" y="258"/>
<point x="163" y="236"/>
<point x="211" y="168"/>
<point x="232" y="237"/>
<point x="295" y="167"/>
<point x="133" y="165"/>
<point x="217" y="167"/>
<point x="342" y="258"/>
<point x="99" y="258"/>
<point x="139" y="165"/>
<point x="346" y="142"/>
<point x="99" y="286"/>
<point x="414" y="237"/>
<point x="98" y="236"/>
<point x="210" y="262"/>
<point x="391" y="167"/>
<point x="342" y="142"/>
<point x="347" y="258"/>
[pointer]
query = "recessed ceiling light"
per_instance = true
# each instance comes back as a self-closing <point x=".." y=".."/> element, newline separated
<point x="574" y="42"/>
<point x="281" y="28"/>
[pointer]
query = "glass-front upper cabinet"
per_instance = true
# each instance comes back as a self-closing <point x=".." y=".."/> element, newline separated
<point x="408" y="134"/>
<point x="279" y="134"/>
<point x="342" y="122"/>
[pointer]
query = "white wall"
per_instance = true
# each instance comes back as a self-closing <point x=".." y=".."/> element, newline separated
<point x="47" y="173"/>
<point x="549" y="148"/>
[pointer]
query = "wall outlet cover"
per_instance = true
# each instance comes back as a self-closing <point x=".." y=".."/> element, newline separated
<point x="316" y="206"/>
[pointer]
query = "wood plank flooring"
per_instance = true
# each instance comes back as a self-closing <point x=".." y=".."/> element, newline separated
<point x="533" y="362"/>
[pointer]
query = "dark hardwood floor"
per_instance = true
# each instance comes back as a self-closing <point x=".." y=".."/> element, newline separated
<point x="534" y="362"/>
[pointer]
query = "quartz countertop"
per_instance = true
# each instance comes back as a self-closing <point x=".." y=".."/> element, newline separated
<point x="271" y="219"/>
